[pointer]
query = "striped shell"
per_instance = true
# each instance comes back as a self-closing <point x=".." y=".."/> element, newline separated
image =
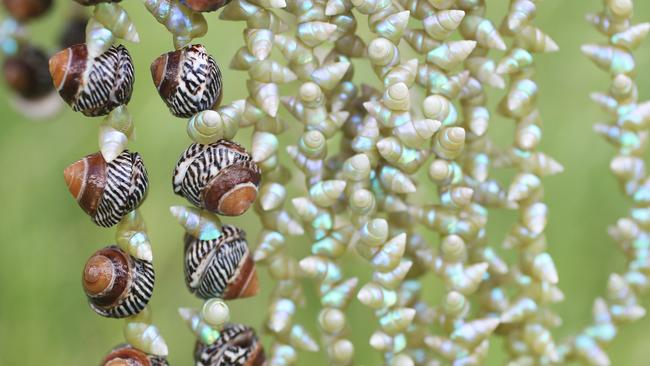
<point x="23" y="10"/>
<point x="95" y="2"/>
<point x="93" y="87"/>
<point x="27" y="73"/>
<point x="188" y="80"/>
<point x="127" y="355"/>
<point x="237" y="346"/>
<point x="108" y="191"/>
<point x="117" y="285"/>
<point x="205" y="5"/>
<point x="221" y="267"/>
<point x="220" y="177"/>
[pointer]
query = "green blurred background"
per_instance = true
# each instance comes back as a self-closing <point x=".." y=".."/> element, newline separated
<point x="46" y="238"/>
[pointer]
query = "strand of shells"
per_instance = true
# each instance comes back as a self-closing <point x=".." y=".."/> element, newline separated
<point x="216" y="175"/>
<point x="96" y="78"/>
<point x="627" y="131"/>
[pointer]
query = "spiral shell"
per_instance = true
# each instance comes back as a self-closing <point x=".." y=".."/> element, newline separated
<point x="237" y="346"/>
<point x="221" y="267"/>
<point x="108" y="191"/>
<point x="23" y="10"/>
<point x="205" y="5"/>
<point x="220" y="177"/>
<point x="27" y="73"/>
<point x="126" y="354"/>
<point x="117" y="284"/>
<point x="188" y="80"/>
<point x="93" y="87"/>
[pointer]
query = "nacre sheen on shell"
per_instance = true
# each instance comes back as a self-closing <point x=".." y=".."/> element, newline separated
<point x="220" y="177"/>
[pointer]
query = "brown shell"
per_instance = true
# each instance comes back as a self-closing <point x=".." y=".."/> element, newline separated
<point x="127" y="355"/>
<point x="74" y="32"/>
<point x="95" y="2"/>
<point x="27" y="73"/>
<point x="205" y="5"/>
<point x="23" y="10"/>
<point x="86" y="180"/>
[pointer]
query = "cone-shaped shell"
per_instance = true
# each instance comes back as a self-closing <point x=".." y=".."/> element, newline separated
<point x="108" y="191"/>
<point x="125" y="354"/>
<point x="205" y="5"/>
<point x="93" y="87"/>
<point x="117" y="284"/>
<point x="188" y="80"/>
<point x="237" y="346"/>
<point x="221" y="267"/>
<point x="220" y="177"/>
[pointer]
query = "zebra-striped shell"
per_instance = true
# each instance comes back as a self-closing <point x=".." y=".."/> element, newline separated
<point x="108" y="191"/>
<point x="95" y="2"/>
<point x="96" y="86"/>
<point x="188" y="80"/>
<point x="23" y="10"/>
<point x="205" y="5"/>
<point x="117" y="284"/>
<point x="237" y="346"/>
<point x="27" y="73"/>
<point x="126" y="355"/>
<point x="221" y="267"/>
<point x="220" y="177"/>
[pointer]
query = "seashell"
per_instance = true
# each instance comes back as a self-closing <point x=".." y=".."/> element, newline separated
<point x="220" y="177"/>
<point x="392" y="27"/>
<point x="131" y="236"/>
<point x="108" y="191"/>
<point x="442" y="24"/>
<point x="419" y="40"/>
<point x="632" y="37"/>
<point x="270" y="243"/>
<point x="483" y="31"/>
<point x="516" y="60"/>
<point x="611" y="59"/>
<point x="313" y="34"/>
<point x="74" y="31"/>
<point x="272" y="196"/>
<point x="451" y="54"/>
<point x="484" y="69"/>
<point x="24" y="10"/>
<point x="221" y="267"/>
<point x="520" y="99"/>
<point x="330" y="75"/>
<point x="341" y="351"/>
<point x="406" y="159"/>
<point x="27" y="73"/>
<point x="326" y="193"/>
<point x="94" y="86"/>
<point x="339" y="296"/>
<point x="188" y="80"/>
<point x="383" y="55"/>
<point x="145" y="337"/>
<point x="237" y="346"/>
<point x="95" y="2"/>
<point x="126" y="354"/>
<point x="215" y="312"/>
<point x="534" y="40"/>
<point x="397" y="320"/>
<point x="270" y="71"/>
<point x="117" y="285"/>
<point x="259" y="42"/>
<point x="182" y="22"/>
<point x="205" y="5"/>
<point x="98" y="38"/>
<point x="404" y="73"/>
<point x="376" y="297"/>
<point x="117" y="20"/>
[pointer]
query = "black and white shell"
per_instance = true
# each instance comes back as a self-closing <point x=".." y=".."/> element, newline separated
<point x="238" y="345"/>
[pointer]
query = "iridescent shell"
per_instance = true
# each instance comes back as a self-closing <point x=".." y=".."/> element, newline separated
<point x="93" y="87"/>
<point x="117" y="285"/>
<point x="108" y="191"/>
<point x="221" y="267"/>
<point x="27" y="73"/>
<point x="188" y="80"/>
<point x="237" y="346"/>
<point x="205" y="5"/>
<point x="127" y="355"/>
<point x="220" y="177"/>
<point x="23" y="10"/>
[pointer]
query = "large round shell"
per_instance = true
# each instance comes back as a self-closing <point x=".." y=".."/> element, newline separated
<point x="127" y="355"/>
<point x="108" y="191"/>
<point x="205" y="5"/>
<point x="27" y="73"/>
<point x="188" y="80"/>
<point x="237" y="346"/>
<point x="95" y="86"/>
<point x="221" y="267"/>
<point x="23" y="10"/>
<point x="220" y="177"/>
<point x="117" y="284"/>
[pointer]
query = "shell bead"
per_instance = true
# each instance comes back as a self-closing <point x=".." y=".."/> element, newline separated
<point x="108" y="191"/>
<point x="93" y="87"/>
<point x="27" y="73"/>
<point x="221" y="267"/>
<point x="117" y="285"/>
<point x="23" y="10"/>
<point x="205" y="5"/>
<point x="127" y="355"/>
<point x="220" y="177"/>
<point x="188" y="80"/>
<point x="237" y="346"/>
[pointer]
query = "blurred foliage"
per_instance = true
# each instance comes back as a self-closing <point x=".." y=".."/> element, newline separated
<point x="46" y="238"/>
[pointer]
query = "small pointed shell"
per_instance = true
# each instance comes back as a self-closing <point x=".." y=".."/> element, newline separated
<point x="117" y="285"/>
<point x="117" y="20"/>
<point x="126" y="354"/>
<point x="442" y="24"/>
<point x="145" y="337"/>
<point x="223" y="178"/>
<point x="221" y="267"/>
